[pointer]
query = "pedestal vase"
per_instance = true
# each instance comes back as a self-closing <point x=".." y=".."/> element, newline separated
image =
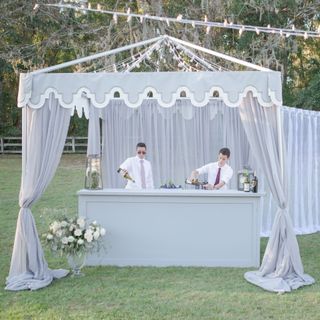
<point x="76" y="262"/>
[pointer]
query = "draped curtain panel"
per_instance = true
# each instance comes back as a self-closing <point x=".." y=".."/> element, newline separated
<point x="186" y="127"/>
<point x="281" y="269"/>
<point x="301" y="131"/>
<point x="94" y="136"/>
<point x="179" y="139"/>
<point x="236" y="140"/>
<point x="47" y="129"/>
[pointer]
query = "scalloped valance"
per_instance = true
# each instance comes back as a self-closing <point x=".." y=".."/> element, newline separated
<point x="165" y="86"/>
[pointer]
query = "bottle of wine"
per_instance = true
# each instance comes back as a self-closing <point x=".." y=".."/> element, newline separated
<point x="125" y="175"/>
<point x="246" y="184"/>
<point x="195" y="182"/>
<point x="255" y="182"/>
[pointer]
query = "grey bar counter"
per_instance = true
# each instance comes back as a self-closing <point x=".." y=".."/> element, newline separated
<point x="160" y="227"/>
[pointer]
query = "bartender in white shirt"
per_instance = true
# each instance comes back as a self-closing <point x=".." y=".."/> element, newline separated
<point x="139" y="169"/>
<point x="219" y="173"/>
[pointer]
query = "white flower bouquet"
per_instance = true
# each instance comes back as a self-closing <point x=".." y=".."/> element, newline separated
<point x="72" y="235"/>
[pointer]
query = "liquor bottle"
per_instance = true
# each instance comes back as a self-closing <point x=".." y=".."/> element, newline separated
<point x="195" y="182"/>
<point x="125" y="175"/>
<point x="246" y="184"/>
<point x="255" y="182"/>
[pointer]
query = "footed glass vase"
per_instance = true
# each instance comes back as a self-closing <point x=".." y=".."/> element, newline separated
<point x="76" y="262"/>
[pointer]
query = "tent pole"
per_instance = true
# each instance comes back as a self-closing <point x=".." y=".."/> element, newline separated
<point x="23" y="175"/>
<point x="279" y="125"/>
<point x="24" y="144"/>
<point x="220" y="55"/>
<point x="96" y="56"/>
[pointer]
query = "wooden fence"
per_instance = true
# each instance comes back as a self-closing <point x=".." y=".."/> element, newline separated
<point x="72" y="145"/>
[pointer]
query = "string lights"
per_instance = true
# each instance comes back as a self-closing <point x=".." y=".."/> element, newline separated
<point x="179" y="54"/>
<point x="281" y="31"/>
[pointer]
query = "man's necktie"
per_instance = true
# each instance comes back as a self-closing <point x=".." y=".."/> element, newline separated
<point x="218" y="177"/>
<point x="143" y="176"/>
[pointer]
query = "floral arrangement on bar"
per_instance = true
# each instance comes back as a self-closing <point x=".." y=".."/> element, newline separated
<point x="170" y="185"/>
<point x="70" y="236"/>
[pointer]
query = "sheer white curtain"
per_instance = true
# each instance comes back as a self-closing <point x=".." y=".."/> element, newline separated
<point x="185" y="137"/>
<point x="47" y="129"/>
<point x="179" y="139"/>
<point x="281" y="269"/>
<point x="236" y="140"/>
<point x="301" y="131"/>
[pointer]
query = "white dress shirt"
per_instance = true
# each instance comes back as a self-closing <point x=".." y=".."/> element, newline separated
<point x="212" y="170"/>
<point x="133" y="166"/>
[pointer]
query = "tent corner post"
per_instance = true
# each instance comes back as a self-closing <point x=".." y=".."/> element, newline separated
<point x="24" y="143"/>
<point x="280" y="145"/>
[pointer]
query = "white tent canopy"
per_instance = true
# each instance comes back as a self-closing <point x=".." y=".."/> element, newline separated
<point x="46" y="97"/>
<point x="165" y="86"/>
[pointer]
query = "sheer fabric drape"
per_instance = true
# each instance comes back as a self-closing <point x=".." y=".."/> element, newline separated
<point x="47" y="129"/>
<point x="301" y="131"/>
<point x="186" y="129"/>
<point x="281" y="268"/>
<point x="179" y="139"/>
<point x="94" y="141"/>
<point x="236" y="140"/>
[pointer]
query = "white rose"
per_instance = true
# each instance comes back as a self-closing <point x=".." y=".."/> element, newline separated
<point x="94" y="223"/>
<point x="70" y="221"/>
<point x="71" y="228"/>
<point x="81" y="222"/>
<point x="49" y="236"/>
<point x="80" y="241"/>
<point x="64" y="240"/>
<point x="96" y="235"/>
<point x="103" y="231"/>
<point x="78" y="232"/>
<point x="71" y="239"/>
<point x="55" y="226"/>
<point x="89" y="237"/>
<point x="63" y="223"/>
<point x="59" y="233"/>
<point x="87" y="234"/>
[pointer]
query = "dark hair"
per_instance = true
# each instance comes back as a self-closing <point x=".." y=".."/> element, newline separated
<point x="141" y="145"/>
<point x="225" y="152"/>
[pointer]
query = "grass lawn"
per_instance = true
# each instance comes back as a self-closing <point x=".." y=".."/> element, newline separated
<point x="138" y="292"/>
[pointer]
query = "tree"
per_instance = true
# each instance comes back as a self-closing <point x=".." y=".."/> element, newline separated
<point x="34" y="39"/>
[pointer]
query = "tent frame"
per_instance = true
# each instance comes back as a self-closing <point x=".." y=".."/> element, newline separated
<point x="132" y="46"/>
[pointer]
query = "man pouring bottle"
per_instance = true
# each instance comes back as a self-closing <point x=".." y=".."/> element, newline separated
<point x="219" y="173"/>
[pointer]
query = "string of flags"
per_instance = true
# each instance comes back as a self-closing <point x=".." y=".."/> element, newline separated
<point x="205" y="23"/>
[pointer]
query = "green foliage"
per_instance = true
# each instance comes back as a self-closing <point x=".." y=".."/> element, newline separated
<point x="34" y="39"/>
<point x="310" y="97"/>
